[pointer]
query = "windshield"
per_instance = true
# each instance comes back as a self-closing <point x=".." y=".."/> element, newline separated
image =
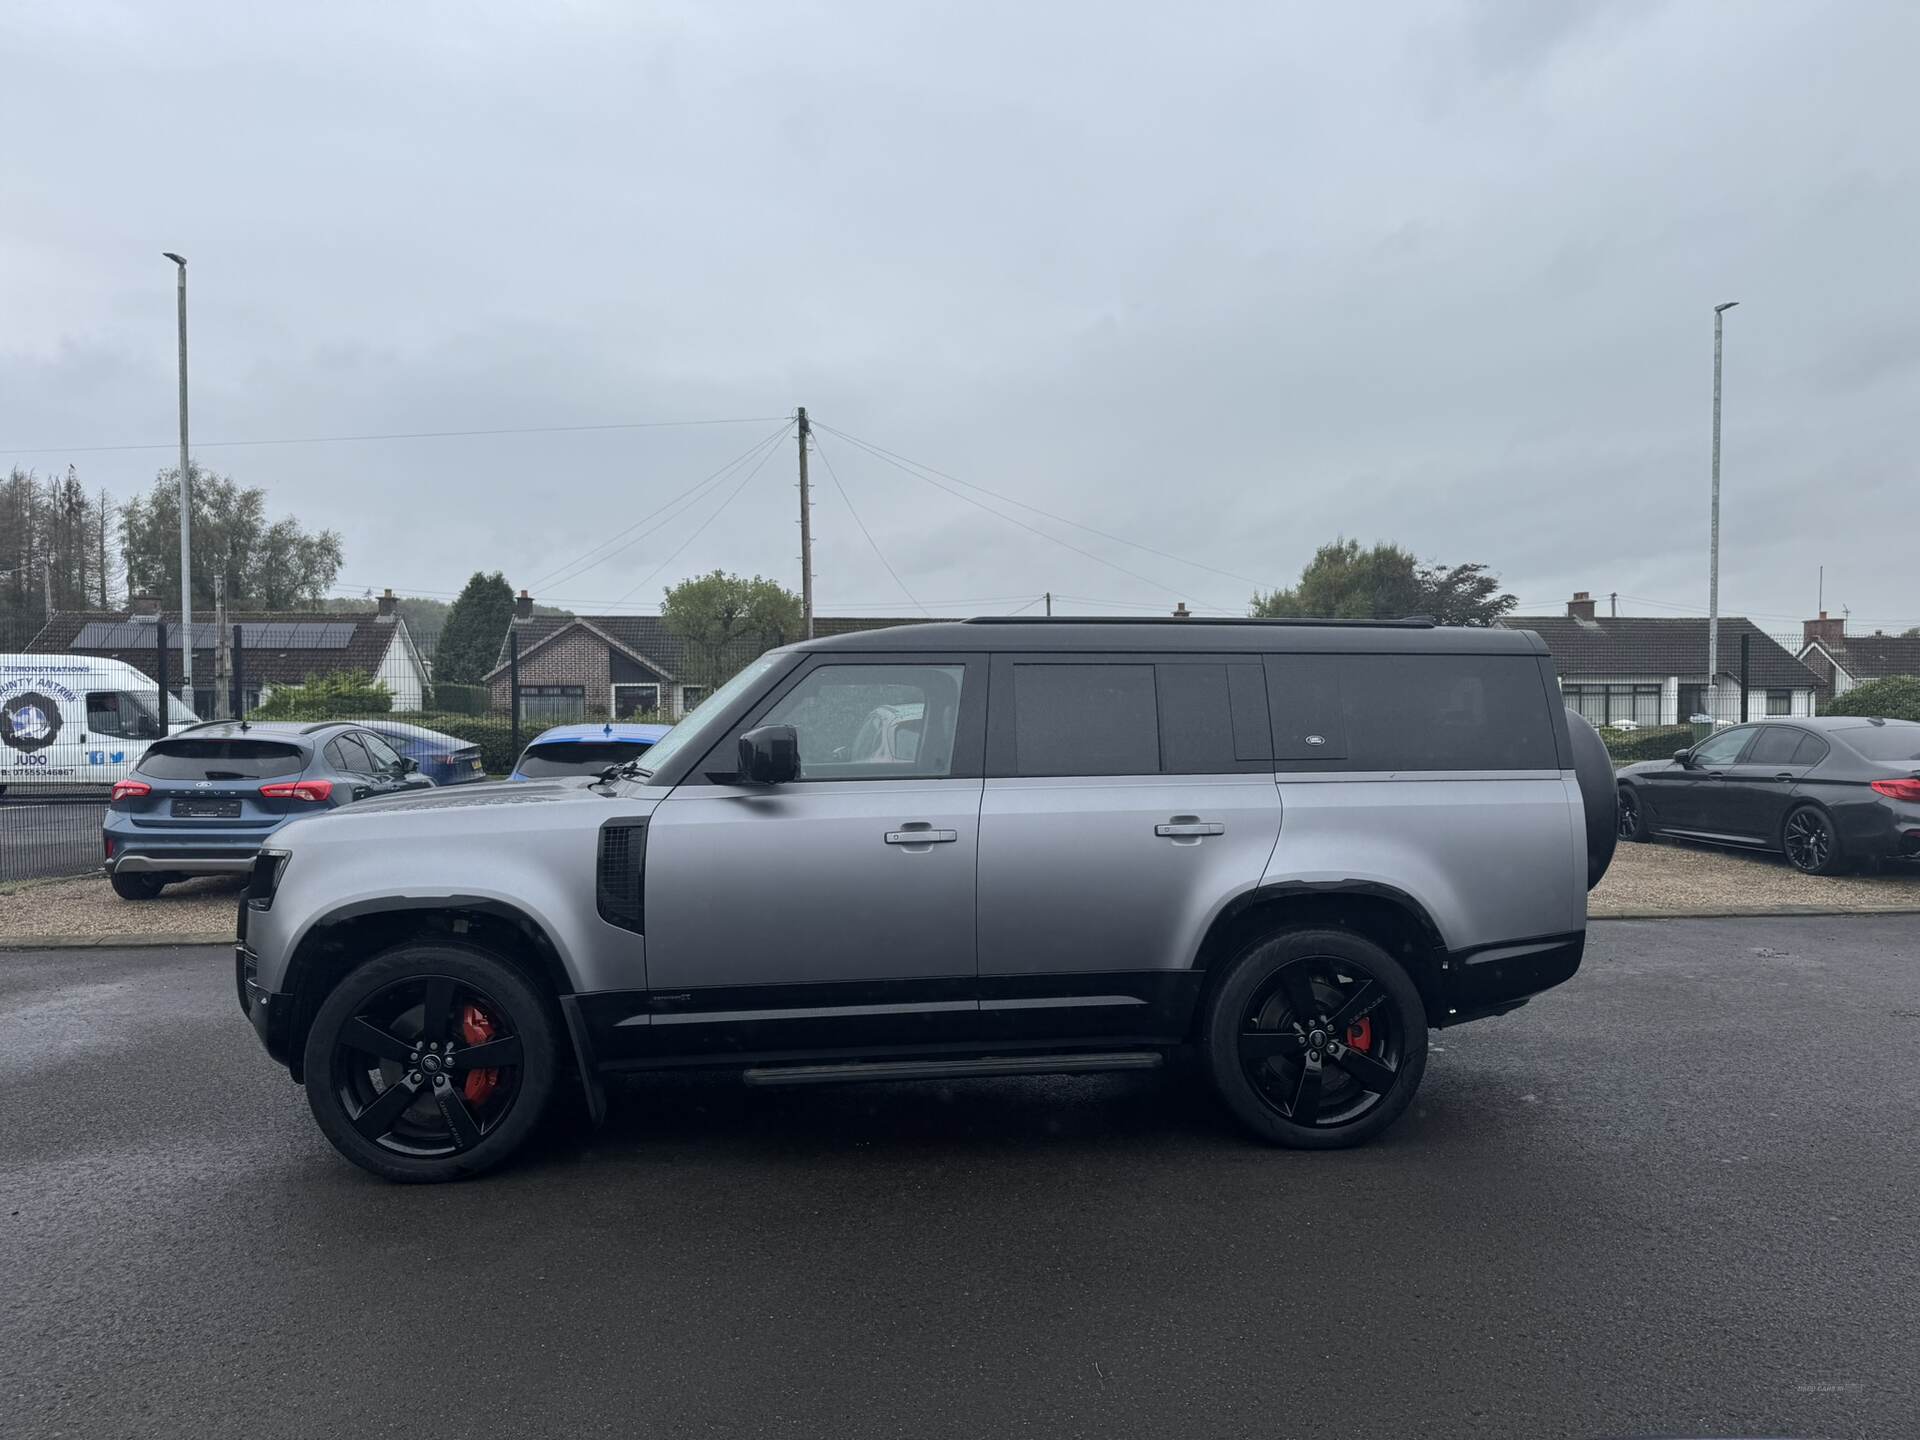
<point x="699" y="728"/>
<point x="1884" y="742"/>
<point x="571" y="757"/>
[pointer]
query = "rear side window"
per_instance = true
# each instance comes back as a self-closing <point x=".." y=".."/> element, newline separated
<point x="1777" y="745"/>
<point x="1085" y="720"/>
<point x="578" y="757"/>
<point x="1883" y="742"/>
<point x="221" y="760"/>
<point x="1411" y="712"/>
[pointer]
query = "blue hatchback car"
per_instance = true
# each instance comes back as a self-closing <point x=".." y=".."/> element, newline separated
<point x="201" y="801"/>
<point x="443" y="759"/>
<point x="584" y="749"/>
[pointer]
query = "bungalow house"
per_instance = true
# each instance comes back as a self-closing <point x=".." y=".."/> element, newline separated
<point x="280" y="647"/>
<point x="1652" y="670"/>
<point x="1842" y="661"/>
<point x="575" y="666"/>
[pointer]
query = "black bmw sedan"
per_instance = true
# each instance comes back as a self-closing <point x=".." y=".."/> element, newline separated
<point x="1829" y="793"/>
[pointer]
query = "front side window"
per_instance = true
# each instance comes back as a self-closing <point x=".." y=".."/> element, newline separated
<point x="1724" y="748"/>
<point x="1094" y="719"/>
<point x="874" y="722"/>
<point x="346" y="754"/>
<point x="385" y="757"/>
<point x="122" y="714"/>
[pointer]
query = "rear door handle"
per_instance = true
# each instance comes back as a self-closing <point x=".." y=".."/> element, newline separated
<point x="1176" y="828"/>
<point x="922" y="837"/>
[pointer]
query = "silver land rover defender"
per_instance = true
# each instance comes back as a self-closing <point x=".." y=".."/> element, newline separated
<point x="949" y="850"/>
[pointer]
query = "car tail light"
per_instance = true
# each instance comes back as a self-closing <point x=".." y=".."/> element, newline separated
<point x="107" y="841"/>
<point x="128" y="790"/>
<point x="1892" y="789"/>
<point x="317" y="791"/>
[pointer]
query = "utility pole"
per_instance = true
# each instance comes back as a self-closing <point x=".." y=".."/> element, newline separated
<point x="1713" y="582"/>
<point x="222" y="651"/>
<point x="186" y="501"/>
<point x="806" y="529"/>
<point x="1049" y="602"/>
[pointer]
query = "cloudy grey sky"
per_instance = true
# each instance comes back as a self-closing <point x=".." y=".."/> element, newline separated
<point x="1222" y="280"/>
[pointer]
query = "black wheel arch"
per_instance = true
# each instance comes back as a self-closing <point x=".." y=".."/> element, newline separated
<point x="344" y="938"/>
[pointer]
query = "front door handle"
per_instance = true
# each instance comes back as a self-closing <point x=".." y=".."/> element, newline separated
<point x="1183" y="825"/>
<point x="928" y="836"/>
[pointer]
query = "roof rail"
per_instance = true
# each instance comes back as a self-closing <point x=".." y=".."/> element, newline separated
<point x="1408" y="622"/>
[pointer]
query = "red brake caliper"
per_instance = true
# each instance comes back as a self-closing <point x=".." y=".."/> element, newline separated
<point x="1360" y="1037"/>
<point x="476" y="1028"/>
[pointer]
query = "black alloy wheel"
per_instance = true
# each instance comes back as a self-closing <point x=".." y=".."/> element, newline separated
<point x="430" y="1063"/>
<point x="1809" y="840"/>
<point x="1317" y="1039"/>
<point x="1630" y="822"/>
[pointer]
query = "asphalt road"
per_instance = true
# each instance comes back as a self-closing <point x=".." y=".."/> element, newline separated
<point x="1681" y="1195"/>
<point x="49" y="836"/>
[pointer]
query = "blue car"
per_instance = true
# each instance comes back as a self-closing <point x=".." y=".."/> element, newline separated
<point x="443" y="759"/>
<point x="202" y="800"/>
<point x="584" y="749"/>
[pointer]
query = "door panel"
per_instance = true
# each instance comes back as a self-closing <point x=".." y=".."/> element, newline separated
<point x="1694" y="799"/>
<point x="1756" y="792"/>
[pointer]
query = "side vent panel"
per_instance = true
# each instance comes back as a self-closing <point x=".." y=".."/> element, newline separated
<point x="620" y="882"/>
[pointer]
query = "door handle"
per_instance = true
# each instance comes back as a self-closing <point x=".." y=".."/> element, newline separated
<point x="1182" y="826"/>
<point x="926" y="836"/>
<point x="1784" y="775"/>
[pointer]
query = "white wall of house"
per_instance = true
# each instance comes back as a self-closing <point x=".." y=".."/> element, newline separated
<point x="400" y="672"/>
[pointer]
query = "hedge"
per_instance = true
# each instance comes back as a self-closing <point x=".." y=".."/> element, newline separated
<point x="1893" y="697"/>
<point x="1657" y="742"/>
<point x="492" y="733"/>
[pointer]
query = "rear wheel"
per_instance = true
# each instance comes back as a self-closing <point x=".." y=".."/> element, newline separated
<point x="1811" y="843"/>
<point x="1316" y="1039"/>
<point x="430" y="1062"/>
<point x="138" y="884"/>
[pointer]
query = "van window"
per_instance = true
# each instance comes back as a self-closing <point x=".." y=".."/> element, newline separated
<point x="220" y="760"/>
<point x="1433" y="712"/>
<point x="1085" y="720"/>
<point x="122" y="714"/>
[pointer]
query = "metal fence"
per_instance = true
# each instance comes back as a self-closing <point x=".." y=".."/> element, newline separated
<point x="70" y="733"/>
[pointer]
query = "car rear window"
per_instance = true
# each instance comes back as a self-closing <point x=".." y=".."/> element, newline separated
<point x="221" y="760"/>
<point x="1883" y="742"/>
<point x="579" y="757"/>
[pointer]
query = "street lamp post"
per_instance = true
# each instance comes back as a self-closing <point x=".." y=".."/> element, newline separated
<point x="1713" y="581"/>
<point x="186" y="501"/>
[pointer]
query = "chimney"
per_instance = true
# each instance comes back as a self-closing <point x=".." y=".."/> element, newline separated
<point x="384" y="610"/>
<point x="1830" y="633"/>
<point x="145" y="607"/>
<point x="523" y="607"/>
<point x="1580" y="607"/>
<point x="1180" y="611"/>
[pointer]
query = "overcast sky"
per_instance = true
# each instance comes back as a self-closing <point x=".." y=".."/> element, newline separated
<point x="1221" y="280"/>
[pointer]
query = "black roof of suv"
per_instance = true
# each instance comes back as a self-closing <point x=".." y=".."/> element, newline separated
<point x="1263" y="636"/>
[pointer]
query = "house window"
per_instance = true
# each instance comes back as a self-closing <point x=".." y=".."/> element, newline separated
<point x="1693" y="701"/>
<point x="1615" y="704"/>
<point x="553" y="704"/>
<point x="633" y="699"/>
<point x="690" y="696"/>
<point x="1779" y="702"/>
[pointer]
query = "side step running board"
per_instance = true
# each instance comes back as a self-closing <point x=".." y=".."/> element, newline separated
<point x="951" y="1069"/>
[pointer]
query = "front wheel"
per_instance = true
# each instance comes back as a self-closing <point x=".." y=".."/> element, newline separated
<point x="430" y="1062"/>
<point x="1812" y="845"/>
<point x="1631" y="818"/>
<point x="1316" y="1039"/>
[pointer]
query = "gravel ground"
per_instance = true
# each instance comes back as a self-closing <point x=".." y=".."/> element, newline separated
<point x="1655" y="879"/>
<point x="87" y="907"/>
<point x="1664" y="878"/>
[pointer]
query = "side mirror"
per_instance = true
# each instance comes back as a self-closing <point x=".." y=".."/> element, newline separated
<point x="408" y="765"/>
<point x="770" y="755"/>
<point x="1683" y="758"/>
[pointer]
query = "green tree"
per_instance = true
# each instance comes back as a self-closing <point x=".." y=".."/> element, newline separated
<point x="1345" y="581"/>
<point x="1892" y="697"/>
<point x="469" y="644"/>
<point x="725" y="620"/>
<point x="269" y="564"/>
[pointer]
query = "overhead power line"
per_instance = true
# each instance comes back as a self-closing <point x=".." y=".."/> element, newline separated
<point x="1061" y="519"/>
<point x="834" y="476"/>
<point x="394" y="435"/>
<point x="700" y="529"/>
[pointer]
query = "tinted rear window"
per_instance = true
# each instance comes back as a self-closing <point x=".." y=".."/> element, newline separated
<point x="579" y="757"/>
<point x="1883" y="742"/>
<point x="221" y="760"/>
<point x="1085" y="720"/>
<point x="1411" y="712"/>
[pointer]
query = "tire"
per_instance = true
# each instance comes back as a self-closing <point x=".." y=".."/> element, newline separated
<point x="1811" y="843"/>
<point x="138" y="884"/>
<point x="1632" y="820"/>
<point x="1599" y="794"/>
<point x="1366" y="1077"/>
<point x="402" y="1024"/>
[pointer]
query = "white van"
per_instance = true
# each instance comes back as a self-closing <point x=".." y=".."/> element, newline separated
<point x="70" y="720"/>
